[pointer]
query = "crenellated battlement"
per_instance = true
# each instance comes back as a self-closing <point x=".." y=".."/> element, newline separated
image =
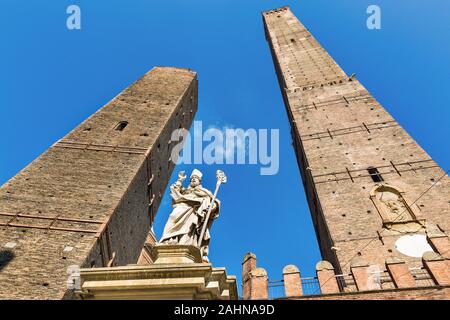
<point x="277" y="10"/>
<point x="396" y="279"/>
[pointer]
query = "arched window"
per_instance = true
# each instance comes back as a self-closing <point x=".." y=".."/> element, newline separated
<point x="121" y="125"/>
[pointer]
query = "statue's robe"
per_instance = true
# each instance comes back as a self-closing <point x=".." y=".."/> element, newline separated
<point x="190" y="206"/>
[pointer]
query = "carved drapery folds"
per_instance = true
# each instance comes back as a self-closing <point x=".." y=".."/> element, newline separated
<point x="394" y="209"/>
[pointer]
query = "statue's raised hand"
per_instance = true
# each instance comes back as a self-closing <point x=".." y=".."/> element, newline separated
<point x="181" y="176"/>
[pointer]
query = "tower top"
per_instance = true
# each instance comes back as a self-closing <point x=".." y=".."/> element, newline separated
<point x="277" y="10"/>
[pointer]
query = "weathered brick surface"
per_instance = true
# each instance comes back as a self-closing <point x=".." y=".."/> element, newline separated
<point x="439" y="270"/>
<point x="99" y="177"/>
<point x="259" y="284"/>
<point x="364" y="279"/>
<point x="248" y="264"/>
<point x="339" y="130"/>
<point x="292" y="282"/>
<point x="401" y="275"/>
<point x="441" y="245"/>
<point x="326" y="278"/>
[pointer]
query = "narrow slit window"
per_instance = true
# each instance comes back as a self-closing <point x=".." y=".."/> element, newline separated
<point x="375" y="174"/>
<point x="121" y="125"/>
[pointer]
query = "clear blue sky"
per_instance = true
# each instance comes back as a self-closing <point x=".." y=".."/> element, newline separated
<point x="51" y="79"/>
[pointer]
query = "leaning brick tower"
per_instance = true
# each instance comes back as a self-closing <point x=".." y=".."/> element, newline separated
<point x="90" y="199"/>
<point x="373" y="192"/>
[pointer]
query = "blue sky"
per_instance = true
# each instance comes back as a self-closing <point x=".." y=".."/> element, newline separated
<point x="51" y="79"/>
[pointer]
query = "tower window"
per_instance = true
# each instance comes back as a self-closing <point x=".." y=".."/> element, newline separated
<point x="121" y="125"/>
<point x="375" y="174"/>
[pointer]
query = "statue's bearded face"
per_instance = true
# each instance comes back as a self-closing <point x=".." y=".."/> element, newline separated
<point x="195" y="181"/>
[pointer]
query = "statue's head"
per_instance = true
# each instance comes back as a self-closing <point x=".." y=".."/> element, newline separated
<point x="195" y="181"/>
<point x="196" y="178"/>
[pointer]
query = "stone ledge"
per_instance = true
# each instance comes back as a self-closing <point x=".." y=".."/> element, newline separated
<point x="168" y="280"/>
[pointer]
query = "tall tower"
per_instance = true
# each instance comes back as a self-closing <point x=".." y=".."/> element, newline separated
<point x="91" y="198"/>
<point x="373" y="192"/>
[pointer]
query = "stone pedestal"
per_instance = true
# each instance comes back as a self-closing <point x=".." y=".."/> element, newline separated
<point x="177" y="273"/>
<point x="175" y="254"/>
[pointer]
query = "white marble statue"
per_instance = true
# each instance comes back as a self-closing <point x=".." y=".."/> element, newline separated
<point x="194" y="209"/>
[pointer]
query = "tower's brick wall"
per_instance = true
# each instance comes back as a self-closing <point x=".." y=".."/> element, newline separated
<point x="90" y="199"/>
<point x="339" y="130"/>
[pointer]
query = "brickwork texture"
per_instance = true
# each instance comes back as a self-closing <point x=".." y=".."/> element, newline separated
<point x="339" y="131"/>
<point x="90" y="199"/>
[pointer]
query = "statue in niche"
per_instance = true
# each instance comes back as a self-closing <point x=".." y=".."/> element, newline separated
<point x="394" y="210"/>
<point x="395" y="206"/>
<point x="194" y="209"/>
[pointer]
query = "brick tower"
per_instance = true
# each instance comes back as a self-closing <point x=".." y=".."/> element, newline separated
<point x="91" y="198"/>
<point x="373" y="192"/>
